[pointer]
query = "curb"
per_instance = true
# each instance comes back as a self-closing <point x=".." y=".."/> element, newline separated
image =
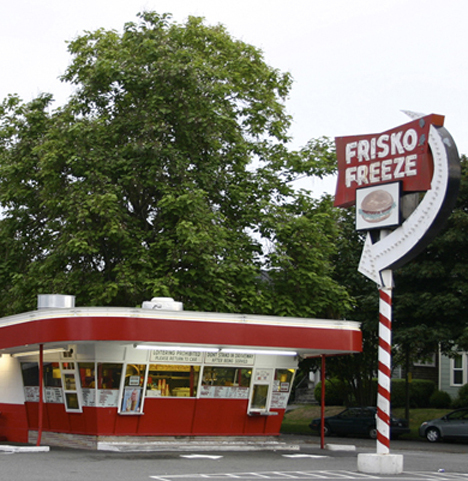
<point x="24" y="449"/>
<point x="184" y="447"/>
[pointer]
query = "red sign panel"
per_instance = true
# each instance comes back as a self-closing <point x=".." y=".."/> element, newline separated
<point x="401" y="154"/>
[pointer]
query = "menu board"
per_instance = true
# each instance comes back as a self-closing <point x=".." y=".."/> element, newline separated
<point x="53" y="395"/>
<point x="224" y="392"/>
<point x="224" y="358"/>
<point x="176" y="356"/>
<point x="279" y="400"/>
<point x="89" y="397"/>
<point x="31" y="394"/>
<point x="107" y="398"/>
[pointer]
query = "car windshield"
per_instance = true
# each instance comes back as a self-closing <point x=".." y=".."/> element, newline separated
<point x="357" y="413"/>
<point x="458" y="415"/>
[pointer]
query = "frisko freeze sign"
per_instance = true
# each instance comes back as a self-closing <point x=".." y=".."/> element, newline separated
<point x="376" y="170"/>
<point x="398" y="155"/>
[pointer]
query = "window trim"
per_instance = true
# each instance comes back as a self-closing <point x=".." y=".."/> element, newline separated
<point x="462" y="369"/>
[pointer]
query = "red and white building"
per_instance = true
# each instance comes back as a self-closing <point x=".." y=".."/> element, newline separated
<point x="156" y="371"/>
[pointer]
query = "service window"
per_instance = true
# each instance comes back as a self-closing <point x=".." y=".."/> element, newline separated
<point x="283" y="380"/>
<point x="282" y="386"/>
<point x="108" y="377"/>
<point x="71" y="388"/>
<point x="132" y="394"/>
<point x="176" y="380"/>
<point x="226" y="382"/>
<point x="53" y="382"/>
<point x="30" y="373"/>
<point x="260" y="397"/>
<point x="87" y="373"/>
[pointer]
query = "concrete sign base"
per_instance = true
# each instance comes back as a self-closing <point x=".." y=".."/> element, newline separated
<point x="380" y="463"/>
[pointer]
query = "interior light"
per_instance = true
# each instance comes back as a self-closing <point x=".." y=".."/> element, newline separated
<point x="36" y="353"/>
<point x="151" y="347"/>
<point x="259" y="351"/>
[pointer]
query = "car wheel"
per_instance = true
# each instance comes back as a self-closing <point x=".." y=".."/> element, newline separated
<point x="326" y="430"/>
<point x="432" y="435"/>
<point x="372" y="432"/>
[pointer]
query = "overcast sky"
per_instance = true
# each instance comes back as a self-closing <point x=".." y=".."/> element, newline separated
<point x="356" y="63"/>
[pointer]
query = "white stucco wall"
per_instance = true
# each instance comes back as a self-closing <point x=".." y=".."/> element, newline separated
<point x="11" y="385"/>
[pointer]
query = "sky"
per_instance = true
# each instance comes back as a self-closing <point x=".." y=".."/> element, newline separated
<point x="356" y="64"/>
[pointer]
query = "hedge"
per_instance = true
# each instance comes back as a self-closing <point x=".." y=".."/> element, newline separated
<point x="420" y="392"/>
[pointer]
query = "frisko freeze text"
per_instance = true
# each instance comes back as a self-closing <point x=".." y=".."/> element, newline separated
<point x="400" y="154"/>
<point x="381" y="171"/>
<point x="383" y="146"/>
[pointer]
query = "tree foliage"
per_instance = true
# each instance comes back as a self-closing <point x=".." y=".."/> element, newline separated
<point x="357" y="371"/>
<point x="166" y="173"/>
<point x="431" y="292"/>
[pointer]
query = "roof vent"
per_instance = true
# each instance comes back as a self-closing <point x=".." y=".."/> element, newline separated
<point x="163" y="304"/>
<point x="55" y="301"/>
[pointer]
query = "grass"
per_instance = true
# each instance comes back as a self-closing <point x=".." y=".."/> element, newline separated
<point x="297" y="420"/>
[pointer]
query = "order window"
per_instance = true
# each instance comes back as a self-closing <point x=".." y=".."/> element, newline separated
<point x="132" y="394"/>
<point x="30" y="372"/>
<point x="108" y="384"/>
<point x="172" y="380"/>
<point x="53" y="382"/>
<point x="87" y="375"/>
<point x="226" y="376"/>
<point x="71" y="387"/>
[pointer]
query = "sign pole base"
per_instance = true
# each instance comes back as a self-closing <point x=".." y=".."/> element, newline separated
<point x="372" y="463"/>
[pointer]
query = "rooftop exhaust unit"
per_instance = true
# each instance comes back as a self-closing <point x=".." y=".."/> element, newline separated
<point x="163" y="304"/>
<point x="55" y="301"/>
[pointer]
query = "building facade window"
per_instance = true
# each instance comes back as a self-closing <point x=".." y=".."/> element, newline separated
<point x="458" y="370"/>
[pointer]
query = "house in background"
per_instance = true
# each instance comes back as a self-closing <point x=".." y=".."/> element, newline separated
<point x="449" y="374"/>
<point x="453" y="373"/>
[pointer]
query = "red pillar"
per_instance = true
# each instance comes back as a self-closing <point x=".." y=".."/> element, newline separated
<point x="322" y="406"/>
<point x="41" y="394"/>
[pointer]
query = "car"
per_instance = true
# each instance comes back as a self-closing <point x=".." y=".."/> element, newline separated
<point x="453" y="425"/>
<point x="359" y="421"/>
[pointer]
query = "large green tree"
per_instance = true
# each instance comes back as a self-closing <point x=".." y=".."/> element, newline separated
<point x="167" y="172"/>
<point x="356" y="373"/>
<point x="431" y="292"/>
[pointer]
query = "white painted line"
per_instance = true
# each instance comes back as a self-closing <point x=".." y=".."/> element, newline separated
<point x="195" y="456"/>
<point x="285" y="475"/>
<point x="304" y="456"/>
<point x="340" y="447"/>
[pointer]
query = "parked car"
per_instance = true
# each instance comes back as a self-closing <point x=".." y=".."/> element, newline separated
<point x="453" y="425"/>
<point x="359" y="421"/>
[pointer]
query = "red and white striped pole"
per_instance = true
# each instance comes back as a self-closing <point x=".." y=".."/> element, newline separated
<point x="385" y="363"/>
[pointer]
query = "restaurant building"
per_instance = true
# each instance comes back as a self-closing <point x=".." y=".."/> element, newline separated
<point x="154" y="371"/>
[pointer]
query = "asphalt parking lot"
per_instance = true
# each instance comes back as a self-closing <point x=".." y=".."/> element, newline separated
<point x="302" y="459"/>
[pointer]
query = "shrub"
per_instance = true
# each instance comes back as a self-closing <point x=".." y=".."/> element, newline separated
<point x="462" y="397"/>
<point x="440" y="400"/>
<point x="335" y="392"/>
<point x="420" y="391"/>
<point x="398" y="393"/>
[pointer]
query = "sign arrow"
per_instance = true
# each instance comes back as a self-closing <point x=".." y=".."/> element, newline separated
<point x="418" y="230"/>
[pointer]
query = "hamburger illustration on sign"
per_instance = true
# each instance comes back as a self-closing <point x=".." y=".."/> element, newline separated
<point x="378" y="207"/>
